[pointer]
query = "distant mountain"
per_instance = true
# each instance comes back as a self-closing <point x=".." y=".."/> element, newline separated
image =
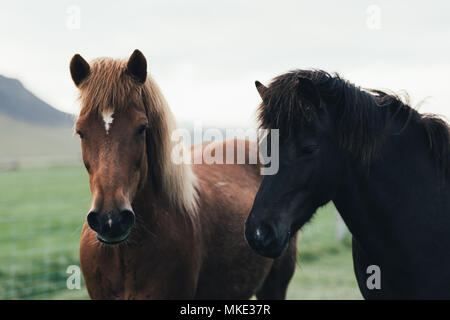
<point x="33" y="133"/>
<point x="17" y="103"/>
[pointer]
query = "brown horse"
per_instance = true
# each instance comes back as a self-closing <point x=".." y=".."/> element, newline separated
<point x="157" y="229"/>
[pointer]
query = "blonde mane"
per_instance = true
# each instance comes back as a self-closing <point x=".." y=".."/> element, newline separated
<point x="109" y="88"/>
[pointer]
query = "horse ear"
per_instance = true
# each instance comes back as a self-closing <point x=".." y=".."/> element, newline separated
<point x="79" y="69"/>
<point x="308" y="90"/>
<point x="137" y="66"/>
<point x="261" y="88"/>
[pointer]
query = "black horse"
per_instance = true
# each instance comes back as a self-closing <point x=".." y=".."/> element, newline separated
<point x="384" y="165"/>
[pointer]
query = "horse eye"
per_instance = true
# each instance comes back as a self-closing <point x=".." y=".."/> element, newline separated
<point x="80" y="134"/>
<point x="142" y="129"/>
<point x="309" y="149"/>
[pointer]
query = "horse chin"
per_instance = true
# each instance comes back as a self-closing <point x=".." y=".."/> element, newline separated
<point x="114" y="241"/>
<point x="273" y="252"/>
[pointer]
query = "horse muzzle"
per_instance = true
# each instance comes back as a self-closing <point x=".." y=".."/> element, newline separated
<point x="111" y="228"/>
<point x="265" y="241"/>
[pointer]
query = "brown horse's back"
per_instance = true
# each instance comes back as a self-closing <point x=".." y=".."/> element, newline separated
<point x="230" y="269"/>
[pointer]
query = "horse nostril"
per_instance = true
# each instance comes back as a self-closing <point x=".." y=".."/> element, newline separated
<point x="93" y="220"/>
<point x="126" y="219"/>
<point x="264" y="235"/>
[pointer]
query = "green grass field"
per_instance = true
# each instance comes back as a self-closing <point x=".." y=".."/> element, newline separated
<point x="41" y="213"/>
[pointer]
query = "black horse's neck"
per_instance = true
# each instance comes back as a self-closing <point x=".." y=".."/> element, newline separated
<point x="400" y="176"/>
<point x="397" y="209"/>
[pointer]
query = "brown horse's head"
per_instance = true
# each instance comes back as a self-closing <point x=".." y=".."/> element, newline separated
<point x="123" y="115"/>
<point x="113" y="144"/>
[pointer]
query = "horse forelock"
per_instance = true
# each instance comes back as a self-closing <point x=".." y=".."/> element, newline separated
<point x="282" y="107"/>
<point x="109" y="89"/>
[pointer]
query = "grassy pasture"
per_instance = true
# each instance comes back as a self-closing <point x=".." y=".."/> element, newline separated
<point x="41" y="213"/>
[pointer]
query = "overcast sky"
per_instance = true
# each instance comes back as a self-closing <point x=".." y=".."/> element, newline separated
<point x="205" y="55"/>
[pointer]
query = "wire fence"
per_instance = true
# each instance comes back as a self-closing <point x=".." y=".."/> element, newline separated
<point x="35" y="252"/>
<point x="41" y="215"/>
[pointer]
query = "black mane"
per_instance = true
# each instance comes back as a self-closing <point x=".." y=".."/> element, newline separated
<point x="360" y="122"/>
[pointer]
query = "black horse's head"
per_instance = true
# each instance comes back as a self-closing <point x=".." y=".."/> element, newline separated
<point x="310" y="164"/>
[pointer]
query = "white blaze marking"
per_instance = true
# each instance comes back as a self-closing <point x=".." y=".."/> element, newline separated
<point x="108" y="119"/>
